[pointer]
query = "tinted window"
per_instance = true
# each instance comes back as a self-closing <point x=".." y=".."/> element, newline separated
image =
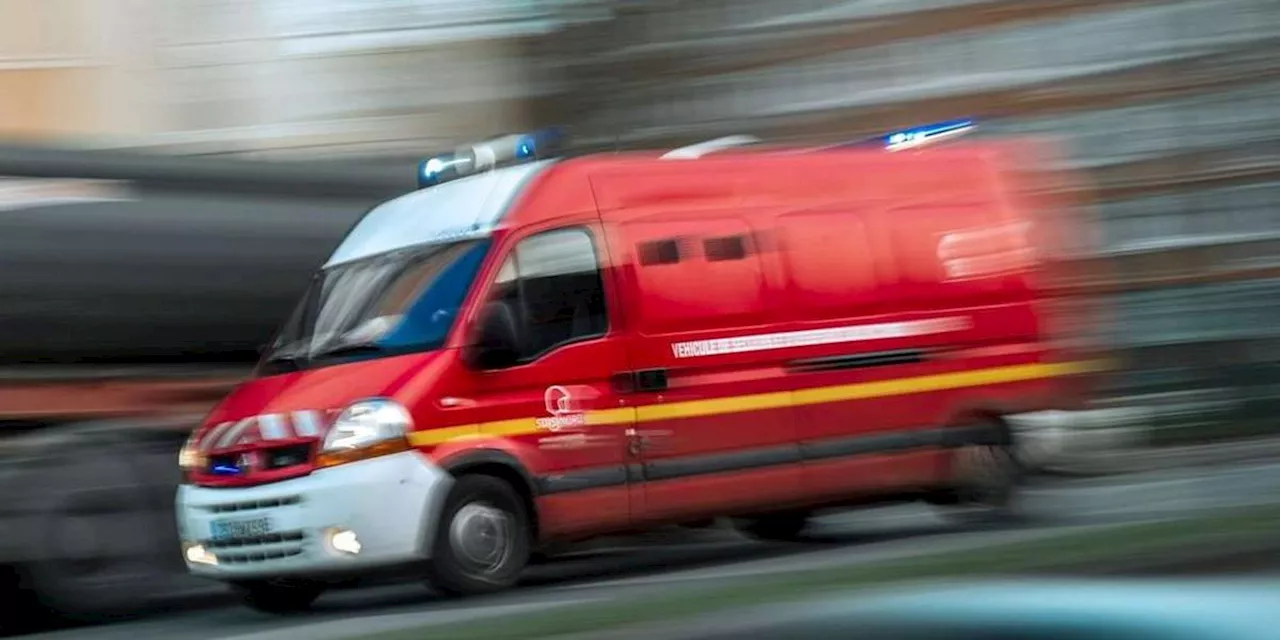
<point x="554" y="281"/>
<point x="730" y="248"/>
<point x="718" y="281"/>
<point x="659" y="252"/>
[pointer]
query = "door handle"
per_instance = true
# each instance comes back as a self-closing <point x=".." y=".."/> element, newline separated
<point x="648" y="435"/>
<point x="451" y="402"/>
<point x="641" y="380"/>
<point x="641" y="439"/>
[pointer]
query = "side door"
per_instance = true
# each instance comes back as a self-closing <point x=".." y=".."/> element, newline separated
<point x="714" y="428"/>
<point x="556" y="403"/>
<point x="875" y="365"/>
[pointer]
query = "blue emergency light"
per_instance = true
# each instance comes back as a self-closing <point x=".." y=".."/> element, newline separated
<point x="486" y="155"/>
<point x="926" y="134"/>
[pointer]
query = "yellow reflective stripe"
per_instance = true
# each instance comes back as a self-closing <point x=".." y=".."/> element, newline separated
<point x="714" y="406"/>
<point x="443" y="434"/>
<point x="623" y="415"/>
<point x="774" y="400"/>
<point x="924" y="384"/>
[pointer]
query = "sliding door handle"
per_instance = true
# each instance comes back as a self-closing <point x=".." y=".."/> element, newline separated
<point x="640" y="381"/>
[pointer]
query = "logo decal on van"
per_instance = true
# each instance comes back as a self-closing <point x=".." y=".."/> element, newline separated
<point x="565" y="406"/>
<point x="815" y="337"/>
<point x="983" y="252"/>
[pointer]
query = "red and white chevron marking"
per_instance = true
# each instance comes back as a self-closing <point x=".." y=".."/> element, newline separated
<point x="307" y="424"/>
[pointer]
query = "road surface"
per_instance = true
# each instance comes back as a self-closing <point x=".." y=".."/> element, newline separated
<point x="715" y="555"/>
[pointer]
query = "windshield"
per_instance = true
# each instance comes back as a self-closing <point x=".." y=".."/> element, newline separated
<point x="387" y="304"/>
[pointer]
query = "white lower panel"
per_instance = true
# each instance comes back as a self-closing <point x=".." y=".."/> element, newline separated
<point x="279" y="529"/>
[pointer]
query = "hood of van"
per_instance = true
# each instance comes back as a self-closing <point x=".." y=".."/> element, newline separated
<point x="270" y="428"/>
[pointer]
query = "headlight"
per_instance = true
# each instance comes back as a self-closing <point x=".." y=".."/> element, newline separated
<point x="367" y="429"/>
<point x="189" y="457"/>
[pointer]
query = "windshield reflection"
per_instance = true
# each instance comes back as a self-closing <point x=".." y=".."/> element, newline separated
<point x="388" y="304"/>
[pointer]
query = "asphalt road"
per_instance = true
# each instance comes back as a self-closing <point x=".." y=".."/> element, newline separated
<point x="715" y="555"/>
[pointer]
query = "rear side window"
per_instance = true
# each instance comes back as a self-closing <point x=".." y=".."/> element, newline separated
<point x="659" y="252"/>
<point x="727" y="248"/>
<point x="696" y="274"/>
<point x="554" y="280"/>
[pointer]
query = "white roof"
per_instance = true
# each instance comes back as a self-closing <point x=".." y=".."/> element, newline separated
<point x="463" y="208"/>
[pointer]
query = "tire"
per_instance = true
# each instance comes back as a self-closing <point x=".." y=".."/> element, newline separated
<point x="987" y="478"/>
<point x="483" y="541"/>
<point x="777" y="527"/>
<point x="705" y="523"/>
<point x="278" y="598"/>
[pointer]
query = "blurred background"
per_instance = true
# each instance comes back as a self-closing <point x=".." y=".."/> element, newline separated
<point x="171" y="171"/>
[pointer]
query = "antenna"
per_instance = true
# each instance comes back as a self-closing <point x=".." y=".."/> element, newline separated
<point x="700" y="149"/>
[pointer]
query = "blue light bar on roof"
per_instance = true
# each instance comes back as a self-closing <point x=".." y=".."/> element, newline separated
<point x="435" y="170"/>
<point x="486" y="155"/>
<point x="920" y="136"/>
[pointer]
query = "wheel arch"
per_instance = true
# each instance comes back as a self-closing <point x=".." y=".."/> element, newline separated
<point x="501" y="465"/>
<point x="989" y="413"/>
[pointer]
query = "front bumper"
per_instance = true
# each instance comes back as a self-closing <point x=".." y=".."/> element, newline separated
<point x="391" y="504"/>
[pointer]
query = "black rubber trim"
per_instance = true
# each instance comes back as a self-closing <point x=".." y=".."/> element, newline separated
<point x="859" y="360"/>
<point x="722" y="462"/>
<point x="595" y="478"/>
<point x="745" y="460"/>
<point x="489" y="456"/>
<point x="865" y="445"/>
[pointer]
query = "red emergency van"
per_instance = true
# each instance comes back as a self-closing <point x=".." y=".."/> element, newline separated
<point x="551" y="350"/>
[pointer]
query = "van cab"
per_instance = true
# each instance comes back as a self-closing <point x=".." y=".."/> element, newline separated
<point x="553" y="349"/>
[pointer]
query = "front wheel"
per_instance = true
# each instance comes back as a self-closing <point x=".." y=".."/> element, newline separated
<point x="483" y="540"/>
<point x="278" y="597"/>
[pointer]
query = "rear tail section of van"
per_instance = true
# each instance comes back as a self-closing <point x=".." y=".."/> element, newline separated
<point x="1071" y="278"/>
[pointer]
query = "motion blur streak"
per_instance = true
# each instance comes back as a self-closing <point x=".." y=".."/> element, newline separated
<point x="172" y="172"/>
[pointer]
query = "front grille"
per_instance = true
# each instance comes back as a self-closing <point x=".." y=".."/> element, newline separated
<point x="248" y="550"/>
<point x="257" y="556"/>
<point x="272" y="459"/>
<point x="251" y="505"/>
<point x="269" y="539"/>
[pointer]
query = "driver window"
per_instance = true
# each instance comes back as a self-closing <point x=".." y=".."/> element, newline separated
<point x="552" y="280"/>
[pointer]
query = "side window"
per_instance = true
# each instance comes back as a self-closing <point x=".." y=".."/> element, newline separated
<point x="553" y="281"/>
<point x="697" y="274"/>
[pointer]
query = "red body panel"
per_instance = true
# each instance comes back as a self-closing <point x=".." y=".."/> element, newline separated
<point x="816" y="301"/>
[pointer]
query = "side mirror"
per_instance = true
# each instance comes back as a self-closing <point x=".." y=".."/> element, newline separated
<point x="496" y="344"/>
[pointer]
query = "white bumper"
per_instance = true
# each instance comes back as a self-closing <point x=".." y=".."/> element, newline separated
<point x="391" y="503"/>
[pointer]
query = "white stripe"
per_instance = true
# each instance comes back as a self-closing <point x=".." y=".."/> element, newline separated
<point x="814" y="337"/>
<point x="306" y="423"/>
<point x="213" y="436"/>
<point x="233" y="434"/>
<point x="273" y="427"/>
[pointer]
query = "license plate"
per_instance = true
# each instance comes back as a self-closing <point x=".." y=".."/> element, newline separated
<point x="231" y="529"/>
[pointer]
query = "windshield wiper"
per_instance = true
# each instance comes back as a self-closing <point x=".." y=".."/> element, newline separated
<point x="348" y="349"/>
<point x="289" y="360"/>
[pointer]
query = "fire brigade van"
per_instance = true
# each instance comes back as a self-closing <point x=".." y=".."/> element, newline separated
<point x="532" y="350"/>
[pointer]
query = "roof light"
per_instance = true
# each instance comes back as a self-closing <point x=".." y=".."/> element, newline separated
<point x="435" y="170"/>
<point x="489" y="154"/>
<point x="926" y="134"/>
